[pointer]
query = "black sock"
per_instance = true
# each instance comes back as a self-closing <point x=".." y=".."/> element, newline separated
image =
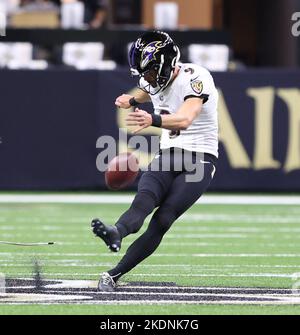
<point x="144" y="246"/>
<point x="132" y="220"/>
<point x="147" y="243"/>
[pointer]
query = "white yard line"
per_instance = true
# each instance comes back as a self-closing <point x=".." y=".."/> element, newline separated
<point x="174" y="275"/>
<point x="82" y="263"/>
<point x="115" y="302"/>
<point x="126" y="199"/>
<point x="201" y="255"/>
<point x="194" y="244"/>
<point x="188" y="230"/>
<point x="67" y="236"/>
<point x="153" y="267"/>
<point x="181" y="244"/>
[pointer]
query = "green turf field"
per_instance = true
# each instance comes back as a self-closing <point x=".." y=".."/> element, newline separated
<point x="211" y="245"/>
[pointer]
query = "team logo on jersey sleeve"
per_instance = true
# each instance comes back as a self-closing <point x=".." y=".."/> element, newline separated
<point x="197" y="86"/>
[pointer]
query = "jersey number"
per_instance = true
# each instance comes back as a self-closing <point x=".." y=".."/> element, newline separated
<point x="172" y="133"/>
<point x="189" y="69"/>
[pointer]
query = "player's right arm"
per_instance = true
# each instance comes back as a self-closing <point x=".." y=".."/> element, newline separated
<point x="123" y="101"/>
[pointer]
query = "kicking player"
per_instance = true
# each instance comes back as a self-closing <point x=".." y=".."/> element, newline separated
<point x="185" y="107"/>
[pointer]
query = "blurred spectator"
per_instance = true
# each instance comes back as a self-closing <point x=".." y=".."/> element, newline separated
<point x="9" y="6"/>
<point x="126" y="12"/>
<point x="95" y="11"/>
<point x="33" y="5"/>
<point x="35" y="14"/>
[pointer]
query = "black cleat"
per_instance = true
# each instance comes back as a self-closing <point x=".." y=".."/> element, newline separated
<point x="106" y="283"/>
<point x="109" y="234"/>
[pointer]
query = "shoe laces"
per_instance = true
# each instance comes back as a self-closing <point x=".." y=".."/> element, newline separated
<point x="107" y="280"/>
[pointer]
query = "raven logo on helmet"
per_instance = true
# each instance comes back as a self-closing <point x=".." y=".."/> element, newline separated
<point x="149" y="52"/>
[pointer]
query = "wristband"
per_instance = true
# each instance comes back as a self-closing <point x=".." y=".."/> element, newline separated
<point x="156" y="120"/>
<point x="133" y="102"/>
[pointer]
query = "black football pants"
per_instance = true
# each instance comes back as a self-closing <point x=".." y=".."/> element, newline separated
<point x="167" y="189"/>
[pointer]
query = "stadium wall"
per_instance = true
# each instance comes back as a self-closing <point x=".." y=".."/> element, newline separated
<point x="50" y="122"/>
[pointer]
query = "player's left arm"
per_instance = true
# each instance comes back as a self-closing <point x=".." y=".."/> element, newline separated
<point x="181" y="120"/>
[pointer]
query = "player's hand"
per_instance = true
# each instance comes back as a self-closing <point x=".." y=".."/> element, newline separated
<point x="123" y="101"/>
<point x="139" y="118"/>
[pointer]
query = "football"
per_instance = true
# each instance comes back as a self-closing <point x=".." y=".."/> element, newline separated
<point x="121" y="171"/>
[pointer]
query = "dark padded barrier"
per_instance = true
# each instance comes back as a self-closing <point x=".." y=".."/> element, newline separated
<point x="110" y="36"/>
<point x="50" y="122"/>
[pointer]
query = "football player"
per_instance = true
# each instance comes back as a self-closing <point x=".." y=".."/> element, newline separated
<point x="185" y="107"/>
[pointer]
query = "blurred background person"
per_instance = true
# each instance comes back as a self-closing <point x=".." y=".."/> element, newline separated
<point x="94" y="11"/>
<point x="9" y="6"/>
<point x="73" y="13"/>
<point x="36" y="4"/>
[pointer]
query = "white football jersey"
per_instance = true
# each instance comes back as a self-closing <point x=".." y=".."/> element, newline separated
<point x="202" y="134"/>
